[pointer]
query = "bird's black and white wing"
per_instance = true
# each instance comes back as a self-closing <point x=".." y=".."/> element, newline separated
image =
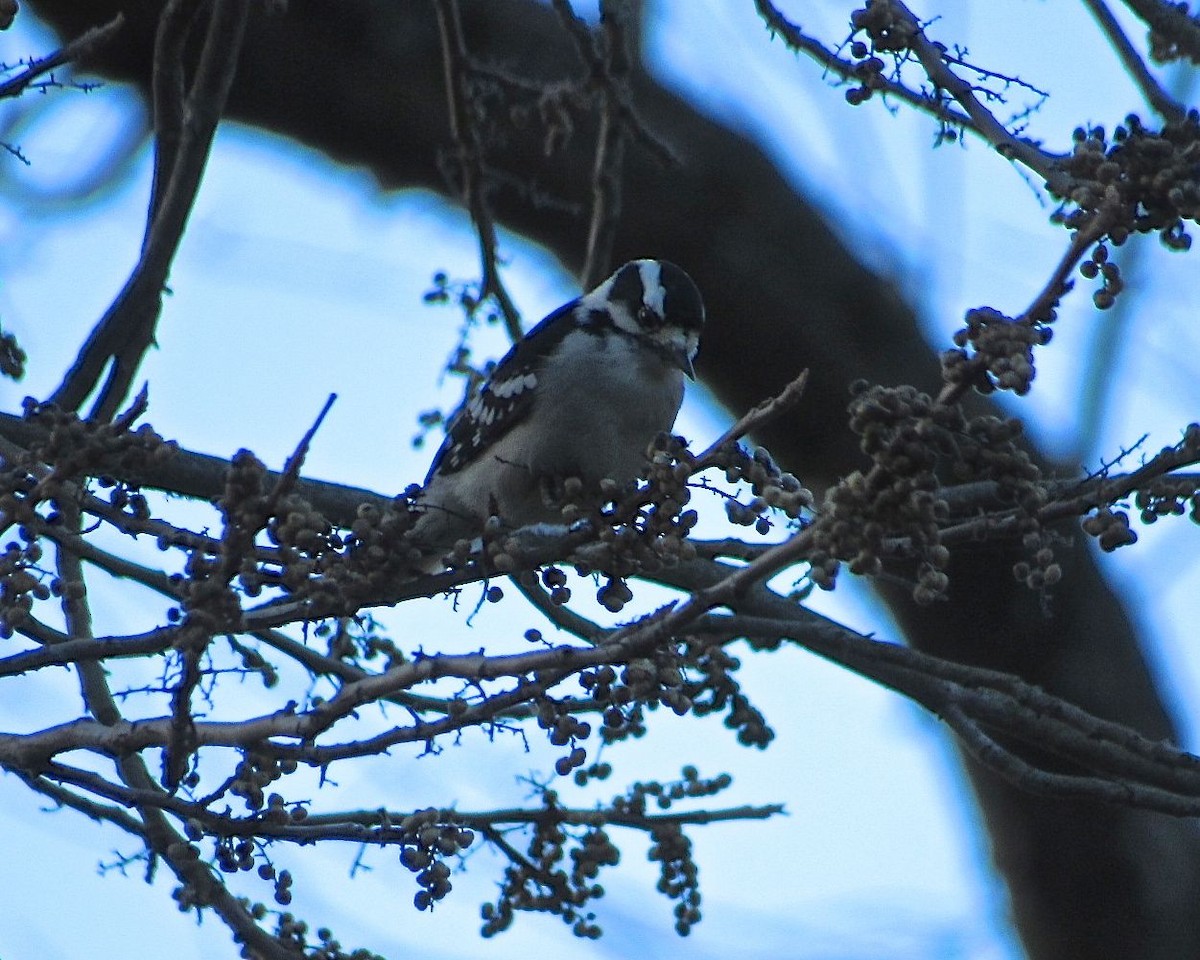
<point x="504" y="399"/>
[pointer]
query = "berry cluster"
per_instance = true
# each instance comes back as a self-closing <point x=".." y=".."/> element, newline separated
<point x="1142" y="181"/>
<point x="1001" y="356"/>
<point x="868" y="71"/>
<point x="540" y="882"/>
<point x="770" y="488"/>
<point x="642" y="529"/>
<point x="435" y="836"/>
<point x="1171" y="23"/>
<point x="565" y="729"/>
<point x="621" y="715"/>
<point x="664" y="795"/>
<point x="896" y="497"/>
<point x="712" y="688"/>
<point x="895" y="510"/>
<point x="699" y="680"/>
<point x="32" y="498"/>
<point x="678" y="874"/>
<point x="12" y="355"/>
<point x="887" y="30"/>
<point x="1099" y="265"/>
<point x="254" y="772"/>
<point x="234" y="855"/>
<point x="1157" y="496"/>
<point x="1168" y="498"/>
<point x="1110" y="528"/>
<point x="292" y="934"/>
<point x="22" y="581"/>
<point x="647" y="529"/>
<point x="376" y="553"/>
<point x="89" y="448"/>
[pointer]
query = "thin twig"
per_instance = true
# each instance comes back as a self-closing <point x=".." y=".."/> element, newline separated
<point x="385" y="826"/>
<point x="63" y="651"/>
<point x="608" y="64"/>
<point x="81" y="46"/>
<point x="89" y="808"/>
<point x="800" y="42"/>
<point x="933" y="59"/>
<point x="469" y="150"/>
<point x="286" y="481"/>
<point x="1041" y="306"/>
<point x="559" y="614"/>
<point x="759" y="416"/>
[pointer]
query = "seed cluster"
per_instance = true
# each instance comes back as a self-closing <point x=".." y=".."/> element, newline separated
<point x="1001" y="351"/>
<point x="640" y="529"/>
<point x="541" y="882"/>
<point x="435" y="836"/>
<point x="1142" y="180"/>
<point x="86" y="448"/>
<point x="1168" y="498"/>
<point x="293" y="934"/>
<point x="12" y="355"/>
<point x="256" y="771"/>
<point x="1099" y="265"/>
<point x="1110" y="528"/>
<point x="31" y="499"/>
<point x="335" y="572"/>
<point x="22" y="582"/>
<point x="1169" y="25"/>
<point x="712" y="688"/>
<point x="697" y="679"/>
<point x="1162" y="496"/>
<point x="894" y="508"/>
<point x="565" y="729"/>
<point x="771" y="489"/>
<point x="679" y="874"/>
<point x="886" y="33"/>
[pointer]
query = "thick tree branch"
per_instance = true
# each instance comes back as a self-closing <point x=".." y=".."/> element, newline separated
<point x="122" y="336"/>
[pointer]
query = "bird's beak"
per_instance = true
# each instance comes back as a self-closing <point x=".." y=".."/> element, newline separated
<point x="683" y="359"/>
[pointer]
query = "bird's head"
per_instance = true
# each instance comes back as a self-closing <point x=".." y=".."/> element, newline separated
<point x="656" y="302"/>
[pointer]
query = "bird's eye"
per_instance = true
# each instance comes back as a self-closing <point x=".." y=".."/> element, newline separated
<point x="647" y="317"/>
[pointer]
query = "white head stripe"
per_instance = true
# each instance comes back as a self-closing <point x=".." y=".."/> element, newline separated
<point x="652" y="288"/>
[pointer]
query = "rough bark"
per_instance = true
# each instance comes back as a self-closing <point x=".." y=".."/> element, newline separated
<point x="362" y="81"/>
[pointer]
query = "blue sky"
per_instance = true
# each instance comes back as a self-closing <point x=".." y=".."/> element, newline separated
<point x="297" y="278"/>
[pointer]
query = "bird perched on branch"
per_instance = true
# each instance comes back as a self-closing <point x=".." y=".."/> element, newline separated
<point x="581" y="395"/>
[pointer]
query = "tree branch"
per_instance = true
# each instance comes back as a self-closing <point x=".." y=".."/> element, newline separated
<point x="81" y="46"/>
<point x="1158" y="99"/>
<point x="123" y="335"/>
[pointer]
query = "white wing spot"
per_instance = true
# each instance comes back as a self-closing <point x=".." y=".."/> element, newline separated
<point x="514" y="386"/>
